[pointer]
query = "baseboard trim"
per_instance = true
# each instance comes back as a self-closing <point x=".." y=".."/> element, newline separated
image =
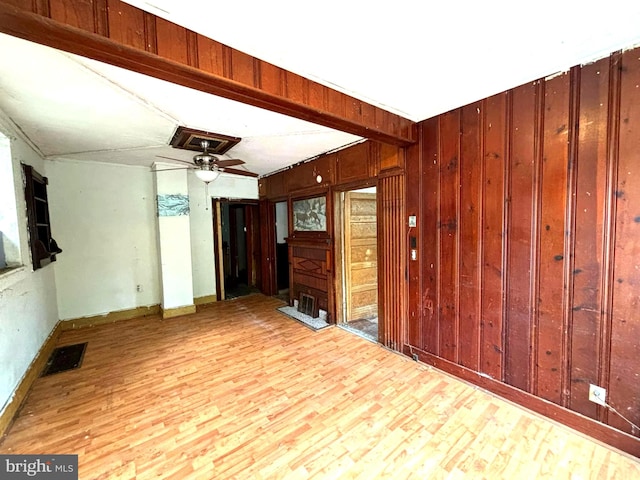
<point x="205" y="300"/>
<point x="110" y="317"/>
<point x="585" y="425"/>
<point x="178" y="312"/>
<point x="33" y="372"/>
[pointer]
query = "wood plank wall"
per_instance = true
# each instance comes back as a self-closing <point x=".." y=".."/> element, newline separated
<point x="118" y="33"/>
<point x="364" y="164"/>
<point x="392" y="260"/>
<point x="528" y="207"/>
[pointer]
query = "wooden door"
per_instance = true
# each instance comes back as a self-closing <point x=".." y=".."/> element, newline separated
<point x="360" y="256"/>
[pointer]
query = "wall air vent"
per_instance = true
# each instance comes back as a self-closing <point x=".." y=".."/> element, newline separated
<point x="191" y="139"/>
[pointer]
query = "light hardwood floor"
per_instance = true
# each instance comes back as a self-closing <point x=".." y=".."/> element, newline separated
<point x="238" y="390"/>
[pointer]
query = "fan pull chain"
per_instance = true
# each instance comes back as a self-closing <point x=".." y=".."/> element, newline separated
<point x="206" y="196"/>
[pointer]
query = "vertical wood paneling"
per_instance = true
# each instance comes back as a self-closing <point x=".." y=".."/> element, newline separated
<point x="569" y="229"/>
<point x="448" y="231"/>
<point x="492" y="348"/>
<point x="390" y="157"/>
<point x="543" y="209"/>
<point x="172" y="41"/>
<point x="552" y="239"/>
<point x="391" y="228"/>
<point x="79" y="26"/>
<point x="150" y="33"/>
<point x="242" y="68"/>
<point x="624" y="382"/>
<point x="589" y="221"/>
<point x="520" y="231"/>
<point x="428" y="253"/>
<point x="415" y="164"/>
<point x="79" y="14"/>
<point x="271" y="81"/>
<point x="212" y="56"/>
<point x="126" y="24"/>
<point x="469" y="228"/>
<point x="609" y="230"/>
<point x="192" y="49"/>
<point x="268" y="282"/>
<point x="27" y="5"/>
<point x="100" y="18"/>
<point x="336" y="103"/>
<point x="42" y="8"/>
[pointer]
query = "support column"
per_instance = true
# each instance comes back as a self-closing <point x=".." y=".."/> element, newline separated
<point x="174" y="242"/>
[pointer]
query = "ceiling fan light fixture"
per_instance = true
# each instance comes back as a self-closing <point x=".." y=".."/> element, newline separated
<point x="207" y="175"/>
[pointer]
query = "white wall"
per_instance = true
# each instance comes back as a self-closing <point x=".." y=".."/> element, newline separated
<point x="202" y="263"/>
<point x="202" y="255"/>
<point x="28" y="309"/>
<point x="174" y="240"/>
<point x="104" y="219"/>
<point x="282" y="222"/>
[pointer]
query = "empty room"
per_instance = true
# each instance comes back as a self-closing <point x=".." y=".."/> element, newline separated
<point x="256" y="240"/>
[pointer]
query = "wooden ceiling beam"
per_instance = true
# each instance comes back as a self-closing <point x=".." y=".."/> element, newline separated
<point x="114" y="32"/>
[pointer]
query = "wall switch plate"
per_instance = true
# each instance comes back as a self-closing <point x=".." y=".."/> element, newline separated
<point x="413" y="221"/>
<point x="414" y="254"/>
<point x="597" y="394"/>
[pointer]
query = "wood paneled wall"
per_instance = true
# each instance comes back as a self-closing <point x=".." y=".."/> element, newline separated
<point x="528" y="269"/>
<point x="392" y="286"/>
<point x="115" y="32"/>
<point x="367" y="163"/>
<point x="311" y="272"/>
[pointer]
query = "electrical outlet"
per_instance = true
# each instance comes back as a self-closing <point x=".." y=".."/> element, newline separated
<point x="597" y="394"/>
<point x="413" y="220"/>
<point x="139" y="288"/>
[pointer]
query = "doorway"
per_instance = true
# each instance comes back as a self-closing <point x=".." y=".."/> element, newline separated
<point x="282" y="250"/>
<point x="357" y="255"/>
<point x="237" y="247"/>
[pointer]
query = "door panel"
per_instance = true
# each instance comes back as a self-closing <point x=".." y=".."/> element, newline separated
<point x="360" y="256"/>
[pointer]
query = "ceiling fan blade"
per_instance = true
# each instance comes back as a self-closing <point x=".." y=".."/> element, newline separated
<point x="237" y="171"/>
<point x="175" y="160"/>
<point x="229" y="163"/>
<point x="169" y="169"/>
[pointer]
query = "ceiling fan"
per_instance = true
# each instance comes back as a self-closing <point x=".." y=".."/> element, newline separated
<point x="208" y="167"/>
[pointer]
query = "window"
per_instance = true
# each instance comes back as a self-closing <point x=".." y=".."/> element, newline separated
<point x="9" y="232"/>
<point x="43" y="247"/>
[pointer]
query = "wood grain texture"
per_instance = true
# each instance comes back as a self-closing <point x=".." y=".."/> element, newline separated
<point x="12" y="407"/>
<point x="589" y="270"/>
<point x="239" y="390"/>
<point x="521" y="231"/>
<point x="624" y="380"/>
<point x="550" y="353"/>
<point x="360" y="256"/>
<point x="183" y="57"/>
<point x="470" y="228"/>
<point x="558" y="162"/>
<point x="429" y="296"/>
<point x="414" y="185"/>
<point x="448" y="233"/>
<point x="392" y="261"/>
<point x="494" y="110"/>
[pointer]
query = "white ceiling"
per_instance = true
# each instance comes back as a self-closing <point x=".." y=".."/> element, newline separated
<point x="416" y="59"/>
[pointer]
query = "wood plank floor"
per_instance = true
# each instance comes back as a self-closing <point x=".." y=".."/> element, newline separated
<point x="239" y="390"/>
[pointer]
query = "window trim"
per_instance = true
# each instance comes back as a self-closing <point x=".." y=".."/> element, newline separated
<point x="43" y="247"/>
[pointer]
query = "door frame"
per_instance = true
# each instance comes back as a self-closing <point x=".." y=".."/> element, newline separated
<point x="338" y="248"/>
<point x="252" y="224"/>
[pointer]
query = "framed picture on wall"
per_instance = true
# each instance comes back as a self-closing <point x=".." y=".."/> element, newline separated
<point x="310" y="214"/>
